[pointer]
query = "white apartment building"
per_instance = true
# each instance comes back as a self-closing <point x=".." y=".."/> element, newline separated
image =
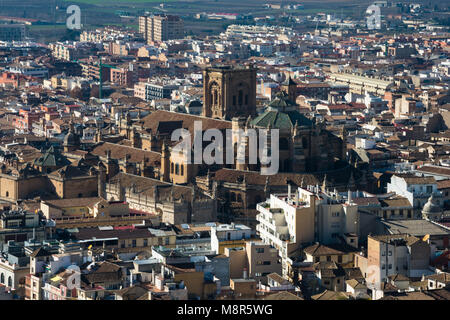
<point x="416" y="189"/>
<point x="291" y="221"/>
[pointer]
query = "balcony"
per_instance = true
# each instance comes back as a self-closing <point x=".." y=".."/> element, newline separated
<point x="273" y="216"/>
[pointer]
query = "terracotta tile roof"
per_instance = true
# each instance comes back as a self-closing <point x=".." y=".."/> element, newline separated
<point x="435" y="170"/>
<point x="152" y="121"/>
<point x="120" y="151"/>
<point x="282" y="295"/>
<point x="321" y="250"/>
<point x="443" y="184"/>
<point x="76" y="202"/>
<point x="395" y="202"/>
<point x="145" y="186"/>
<point x="254" y="177"/>
<point x="413" y="179"/>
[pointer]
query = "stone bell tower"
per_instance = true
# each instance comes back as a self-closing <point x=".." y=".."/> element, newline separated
<point x="229" y="91"/>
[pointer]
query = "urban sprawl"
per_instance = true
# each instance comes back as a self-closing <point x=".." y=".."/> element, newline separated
<point x="97" y="202"/>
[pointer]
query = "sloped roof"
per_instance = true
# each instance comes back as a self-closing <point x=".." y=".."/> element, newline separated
<point x="52" y="158"/>
<point x="283" y="295"/>
<point x="40" y="252"/>
<point x="321" y="250"/>
<point x="281" y="120"/>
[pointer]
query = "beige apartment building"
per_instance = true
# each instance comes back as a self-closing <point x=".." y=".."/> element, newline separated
<point x="389" y="255"/>
<point x="254" y="260"/>
<point x="161" y="27"/>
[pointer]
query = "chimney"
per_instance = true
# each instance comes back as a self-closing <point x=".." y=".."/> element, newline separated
<point x="289" y="190"/>
<point x="244" y="274"/>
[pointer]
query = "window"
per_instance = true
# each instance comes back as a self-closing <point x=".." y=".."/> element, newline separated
<point x="122" y="244"/>
<point x="182" y="170"/>
<point x="259" y="250"/>
<point x="340" y="259"/>
<point x="171" y="167"/>
<point x="390" y="266"/>
<point x="177" y="169"/>
<point x="429" y="189"/>
<point x="7" y="194"/>
<point x="383" y="266"/>
<point x="390" y="253"/>
<point x="134" y="243"/>
<point x="234" y="100"/>
<point x="145" y="243"/>
<point x="328" y="258"/>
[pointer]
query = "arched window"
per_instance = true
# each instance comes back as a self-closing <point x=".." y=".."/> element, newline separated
<point x="240" y="98"/>
<point x="216" y="97"/>
<point x="177" y="169"/>
<point x="171" y="167"/>
<point x="239" y="198"/>
<point x="9" y="281"/>
<point x="182" y="170"/>
<point x="2" y="278"/>
<point x="233" y="197"/>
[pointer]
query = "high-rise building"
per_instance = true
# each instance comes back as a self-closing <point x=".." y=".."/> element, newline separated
<point x="161" y="27"/>
<point x="12" y="32"/>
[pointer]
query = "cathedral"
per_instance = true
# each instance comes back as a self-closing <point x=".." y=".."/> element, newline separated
<point x="304" y="144"/>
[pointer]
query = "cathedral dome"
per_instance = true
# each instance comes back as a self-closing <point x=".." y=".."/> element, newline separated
<point x="431" y="206"/>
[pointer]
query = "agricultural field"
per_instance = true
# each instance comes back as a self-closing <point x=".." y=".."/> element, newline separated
<point x="51" y="14"/>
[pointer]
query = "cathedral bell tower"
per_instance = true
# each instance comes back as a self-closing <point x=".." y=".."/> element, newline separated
<point x="229" y="91"/>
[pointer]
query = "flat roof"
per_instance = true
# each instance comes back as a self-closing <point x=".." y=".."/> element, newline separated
<point x="417" y="227"/>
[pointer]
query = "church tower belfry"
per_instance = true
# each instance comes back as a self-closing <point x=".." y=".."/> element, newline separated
<point x="290" y="87"/>
<point x="229" y="91"/>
